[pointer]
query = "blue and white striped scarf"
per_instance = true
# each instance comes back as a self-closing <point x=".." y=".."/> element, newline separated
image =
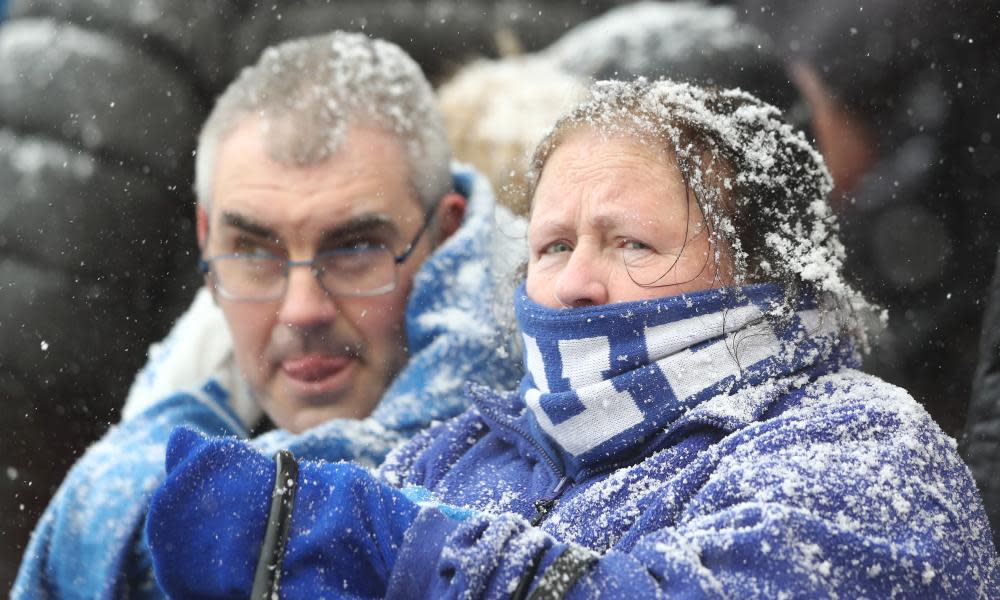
<point x="601" y="379"/>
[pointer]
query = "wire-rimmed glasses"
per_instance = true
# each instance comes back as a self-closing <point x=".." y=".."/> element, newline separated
<point x="365" y="269"/>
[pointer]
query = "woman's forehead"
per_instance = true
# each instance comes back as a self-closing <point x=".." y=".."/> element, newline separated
<point x="593" y="168"/>
<point x="628" y="138"/>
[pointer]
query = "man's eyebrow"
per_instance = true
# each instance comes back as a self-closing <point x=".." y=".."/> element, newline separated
<point x="247" y="224"/>
<point x="360" y="224"/>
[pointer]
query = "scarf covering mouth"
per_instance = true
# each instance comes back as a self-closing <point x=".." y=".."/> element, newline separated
<point x="600" y="380"/>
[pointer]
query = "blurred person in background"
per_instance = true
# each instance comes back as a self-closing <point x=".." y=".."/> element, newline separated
<point x="691" y="422"/>
<point x="684" y="41"/>
<point x="903" y="106"/>
<point x="496" y="112"/>
<point x="349" y="263"/>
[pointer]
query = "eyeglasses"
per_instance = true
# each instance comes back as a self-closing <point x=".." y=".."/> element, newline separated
<point x="362" y="270"/>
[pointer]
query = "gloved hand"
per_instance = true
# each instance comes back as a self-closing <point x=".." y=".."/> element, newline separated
<point x="207" y="522"/>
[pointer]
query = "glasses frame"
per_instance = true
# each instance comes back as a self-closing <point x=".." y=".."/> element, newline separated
<point x="205" y="267"/>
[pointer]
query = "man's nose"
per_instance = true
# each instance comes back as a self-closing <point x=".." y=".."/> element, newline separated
<point x="306" y="304"/>
<point x="583" y="281"/>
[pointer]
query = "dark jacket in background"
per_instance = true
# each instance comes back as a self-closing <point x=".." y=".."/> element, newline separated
<point x="922" y="226"/>
<point x="99" y="110"/>
<point x="982" y="431"/>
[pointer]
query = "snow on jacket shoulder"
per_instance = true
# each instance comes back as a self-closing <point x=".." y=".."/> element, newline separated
<point x="841" y="487"/>
<point x="89" y="542"/>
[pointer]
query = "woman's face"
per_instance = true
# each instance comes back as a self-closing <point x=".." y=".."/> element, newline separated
<point x="612" y="221"/>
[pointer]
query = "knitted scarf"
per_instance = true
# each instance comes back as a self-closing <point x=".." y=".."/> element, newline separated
<point x="601" y="379"/>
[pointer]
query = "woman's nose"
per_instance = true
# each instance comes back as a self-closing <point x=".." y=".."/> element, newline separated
<point x="582" y="281"/>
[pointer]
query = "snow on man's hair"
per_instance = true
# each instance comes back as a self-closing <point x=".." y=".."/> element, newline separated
<point x="760" y="184"/>
<point x="308" y="91"/>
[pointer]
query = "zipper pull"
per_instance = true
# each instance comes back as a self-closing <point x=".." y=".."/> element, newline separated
<point x="544" y="507"/>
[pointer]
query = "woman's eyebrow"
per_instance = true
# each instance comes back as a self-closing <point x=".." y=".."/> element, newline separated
<point x="607" y="221"/>
<point x="601" y="221"/>
<point x="547" y="226"/>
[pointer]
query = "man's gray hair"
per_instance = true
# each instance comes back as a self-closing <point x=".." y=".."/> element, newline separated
<point x="308" y="91"/>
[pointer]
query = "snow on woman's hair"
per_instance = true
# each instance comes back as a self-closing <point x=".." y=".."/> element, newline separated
<point x="761" y="186"/>
<point x="308" y="91"/>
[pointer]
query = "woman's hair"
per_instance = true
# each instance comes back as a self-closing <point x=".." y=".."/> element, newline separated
<point x="762" y="188"/>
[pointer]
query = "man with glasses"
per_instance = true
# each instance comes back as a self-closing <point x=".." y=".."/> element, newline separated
<point x="312" y="267"/>
<point x="348" y="264"/>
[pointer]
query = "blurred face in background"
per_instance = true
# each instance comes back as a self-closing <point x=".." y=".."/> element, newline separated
<point x="309" y="355"/>
<point x="613" y="221"/>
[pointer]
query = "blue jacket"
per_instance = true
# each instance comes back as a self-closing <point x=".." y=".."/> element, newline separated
<point x="89" y="542"/>
<point x="817" y="482"/>
<point x="678" y="448"/>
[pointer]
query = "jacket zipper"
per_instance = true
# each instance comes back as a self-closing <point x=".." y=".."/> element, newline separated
<point x="545" y="506"/>
<point x="557" y="469"/>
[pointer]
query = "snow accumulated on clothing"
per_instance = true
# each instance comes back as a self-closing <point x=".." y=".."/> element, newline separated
<point x="636" y="34"/>
<point x="799" y="478"/>
<point x="89" y="541"/>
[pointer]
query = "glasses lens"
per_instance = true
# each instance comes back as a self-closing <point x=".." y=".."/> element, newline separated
<point x="362" y="271"/>
<point x="249" y="277"/>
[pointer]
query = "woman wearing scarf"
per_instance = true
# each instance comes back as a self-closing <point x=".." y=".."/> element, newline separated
<point x="691" y="423"/>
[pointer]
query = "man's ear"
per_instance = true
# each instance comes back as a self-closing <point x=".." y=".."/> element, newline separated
<point x="450" y="212"/>
<point x="201" y="226"/>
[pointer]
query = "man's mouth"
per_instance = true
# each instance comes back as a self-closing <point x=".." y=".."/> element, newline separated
<point x="317" y="371"/>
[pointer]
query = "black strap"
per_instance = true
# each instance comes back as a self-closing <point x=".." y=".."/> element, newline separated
<point x="267" y="577"/>
<point x="521" y="591"/>
<point x="560" y="577"/>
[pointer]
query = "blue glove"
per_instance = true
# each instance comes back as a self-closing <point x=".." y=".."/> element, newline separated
<point x="207" y="522"/>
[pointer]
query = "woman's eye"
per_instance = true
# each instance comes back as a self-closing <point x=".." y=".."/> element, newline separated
<point x="634" y="245"/>
<point x="557" y="247"/>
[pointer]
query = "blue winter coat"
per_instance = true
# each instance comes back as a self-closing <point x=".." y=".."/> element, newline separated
<point x="823" y="482"/>
<point x="89" y="542"/>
